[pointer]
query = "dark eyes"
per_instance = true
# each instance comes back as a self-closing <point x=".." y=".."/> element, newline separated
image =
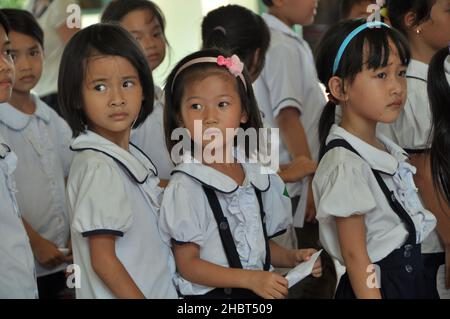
<point x="100" y="87"/>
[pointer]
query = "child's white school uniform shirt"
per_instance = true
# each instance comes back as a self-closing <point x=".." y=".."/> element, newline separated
<point x="186" y="215"/>
<point x="412" y="129"/>
<point x="344" y="185"/>
<point x="149" y="137"/>
<point x="41" y="142"/>
<point x="17" y="272"/>
<point x="289" y="79"/>
<point x="114" y="191"/>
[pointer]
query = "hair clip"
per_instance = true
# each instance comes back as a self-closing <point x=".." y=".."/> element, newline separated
<point x="233" y="64"/>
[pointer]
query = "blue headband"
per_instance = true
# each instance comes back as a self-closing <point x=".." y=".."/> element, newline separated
<point x="350" y="37"/>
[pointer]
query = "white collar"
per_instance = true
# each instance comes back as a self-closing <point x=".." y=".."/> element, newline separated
<point x="386" y="162"/>
<point x="17" y="120"/>
<point x="220" y="182"/>
<point x="417" y="69"/>
<point x="276" y="24"/>
<point x="136" y="162"/>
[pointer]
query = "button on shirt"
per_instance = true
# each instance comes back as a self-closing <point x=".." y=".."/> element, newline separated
<point x="150" y="137"/>
<point x="344" y="185"/>
<point x="41" y="142"/>
<point x="114" y="191"/>
<point x="186" y="215"/>
<point x="17" y="272"/>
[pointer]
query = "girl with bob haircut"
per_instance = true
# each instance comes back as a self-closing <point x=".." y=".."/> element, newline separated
<point x="105" y="91"/>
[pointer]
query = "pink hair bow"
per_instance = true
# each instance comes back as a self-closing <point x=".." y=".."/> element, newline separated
<point x="233" y="64"/>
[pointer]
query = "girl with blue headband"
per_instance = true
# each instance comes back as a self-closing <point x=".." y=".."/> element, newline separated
<point x="370" y="216"/>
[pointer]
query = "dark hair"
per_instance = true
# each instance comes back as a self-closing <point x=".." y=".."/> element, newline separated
<point x="103" y="39"/>
<point x="4" y="21"/>
<point x="116" y="10"/>
<point x="439" y="95"/>
<point x="24" y="22"/>
<point x="268" y="3"/>
<point x="346" y="6"/>
<point x="377" y="42"/>
<point x="172" y="109"/>
<point x="398" y="9"/>
<point x="239" y="31"/>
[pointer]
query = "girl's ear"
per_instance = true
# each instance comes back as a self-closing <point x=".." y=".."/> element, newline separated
<point x="410" y="19"/>
<point x="337" y="88"/>
<point x="180" y="121"/>
<point x="255" y="58"/>
<point x="244" y="117"/>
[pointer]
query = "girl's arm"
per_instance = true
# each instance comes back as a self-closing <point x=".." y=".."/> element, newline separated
<point x="352" y="240"/>
<point x="297" y="169"/>
<point x="263" y="283"/>
<point x="46" y="252"/>
<point x="289" y="258"/>
<point x="109" y="268"/>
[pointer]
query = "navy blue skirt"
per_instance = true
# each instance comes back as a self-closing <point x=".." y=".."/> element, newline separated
<point x="402" y="276"/>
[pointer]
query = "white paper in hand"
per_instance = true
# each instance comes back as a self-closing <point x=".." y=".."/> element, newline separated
<point x="302" y="270"/>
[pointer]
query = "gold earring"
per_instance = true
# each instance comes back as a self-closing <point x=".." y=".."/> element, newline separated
<point x="418" y="31"/>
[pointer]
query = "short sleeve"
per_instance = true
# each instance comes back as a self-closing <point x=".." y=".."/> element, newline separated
<point x="100" y="205"/>
<point x="343" y="192"/>
<point x="182" y="216"/>
<point x="277" y="207"/>
<point x="284" y="78"/>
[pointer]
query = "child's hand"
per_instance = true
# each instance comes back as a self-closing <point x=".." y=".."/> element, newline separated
<point x="300" y="255"/>
<point x="47" y="254"/>
<point x="297" y="169"/>
<point x="268" y="285"/>
<point x="69" y="257"/>
<point x="310" y="213"/>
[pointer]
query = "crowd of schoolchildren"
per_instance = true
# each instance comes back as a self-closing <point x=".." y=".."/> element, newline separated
<point x="363" y="138"/>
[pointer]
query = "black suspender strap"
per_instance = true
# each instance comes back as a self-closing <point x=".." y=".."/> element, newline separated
<point x="397" y="208"/>
<point x="395" y="205"/>
<point x="224" y="229"/>
<point x="263" y="221"/>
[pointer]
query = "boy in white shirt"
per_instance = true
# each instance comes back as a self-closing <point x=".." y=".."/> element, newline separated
<point x="289" y="95"/>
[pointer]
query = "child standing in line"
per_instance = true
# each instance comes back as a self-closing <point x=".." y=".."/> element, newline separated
<point x="145" y="21"/>
<point x="219" y="215"/>
<point x="113" y="191"/>
<point x="240" y="31"/>
<point x="370" y="216"/>
<point x="424" y="24"/>
<point x="17" y="272"/>
<point x="41" y="140"/>
<point x="289" y="94"/>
